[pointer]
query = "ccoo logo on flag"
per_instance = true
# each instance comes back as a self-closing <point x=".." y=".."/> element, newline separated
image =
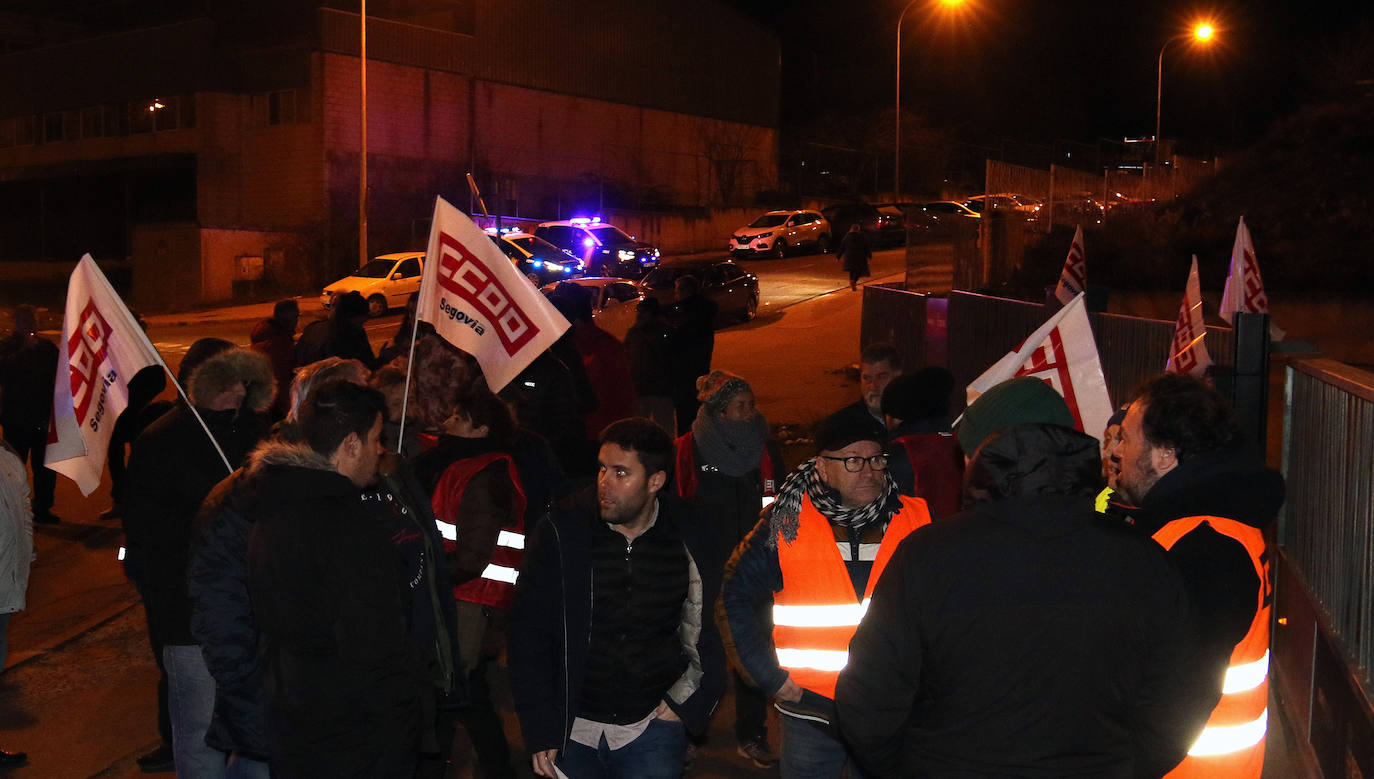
<point x="88" y="349"/>
<point x="464" y="276"/>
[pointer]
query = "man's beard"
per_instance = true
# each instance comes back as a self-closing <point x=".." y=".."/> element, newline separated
<point x="1132" y="489"/>
<point x="621" y="513"/>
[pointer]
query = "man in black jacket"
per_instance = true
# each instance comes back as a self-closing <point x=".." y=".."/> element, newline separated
<point x="1025" y="636"/>
<point x="613" y="654"/>
<point x="173" y="465"/>
<point x="341" y="679"/>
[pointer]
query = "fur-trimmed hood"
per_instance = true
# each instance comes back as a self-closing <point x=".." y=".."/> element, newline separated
<point x="277" y="452"/>
<point x="224" y="370"/>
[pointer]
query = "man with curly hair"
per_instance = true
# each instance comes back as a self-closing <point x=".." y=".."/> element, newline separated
<point x="1199" y="491"/>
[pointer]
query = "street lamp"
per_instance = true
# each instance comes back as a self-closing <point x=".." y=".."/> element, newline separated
<point x="1203" y="33"/>
<point x="897" y="139"/>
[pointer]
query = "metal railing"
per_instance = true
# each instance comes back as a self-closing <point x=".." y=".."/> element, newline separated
<point x="1326" y="528"/>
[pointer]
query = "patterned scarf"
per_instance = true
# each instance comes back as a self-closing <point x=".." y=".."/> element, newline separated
<point x="806" y="480"/>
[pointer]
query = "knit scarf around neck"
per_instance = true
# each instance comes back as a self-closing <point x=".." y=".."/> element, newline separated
<point x="734" y="448"/>
<point x="806" y="480"/>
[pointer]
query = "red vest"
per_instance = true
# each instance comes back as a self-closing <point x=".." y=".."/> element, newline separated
<point x="1232" y="744"/>
<point x="815" y="613"/>
<point x="496" y="586"/>
<point x="685" y="471"/>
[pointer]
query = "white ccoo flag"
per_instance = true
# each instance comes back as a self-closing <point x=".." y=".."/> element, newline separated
<point x="1074" y="278"/>
<point x="1064" y="354"/>
<point x="102" y="348"/>
<point x="1188" y="351"/>
<point x="480" y="302"/>
<point x="1244" y="290"/>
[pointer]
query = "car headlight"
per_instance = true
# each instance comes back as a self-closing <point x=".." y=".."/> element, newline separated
<point x="626" y="254"/>
<point x="655" y="252"/>
<point x="768" y="234"/>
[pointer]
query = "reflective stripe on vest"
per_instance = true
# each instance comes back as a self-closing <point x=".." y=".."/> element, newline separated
<point x="500" y="573"/>
<point x="1232" y="743"/>
<point x="816" y="613"/>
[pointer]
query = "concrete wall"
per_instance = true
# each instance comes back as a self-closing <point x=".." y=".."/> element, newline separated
<point x="680" y="233"/>
<point x="166" y="266"/>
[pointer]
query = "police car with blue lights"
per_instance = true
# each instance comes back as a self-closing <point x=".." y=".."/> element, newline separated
<point x="605" y="250"/>
<point x="536" y="257"/>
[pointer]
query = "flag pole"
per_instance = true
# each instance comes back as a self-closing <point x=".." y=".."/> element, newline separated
<point x="410" y="366"/>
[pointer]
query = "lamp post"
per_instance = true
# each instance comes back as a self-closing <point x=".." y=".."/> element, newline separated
<point x="1202" y="32"/>
<point x="362" y="150"/>
<point x="897" y="138"/>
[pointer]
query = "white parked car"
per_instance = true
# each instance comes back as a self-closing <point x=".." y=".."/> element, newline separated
<point x="613" y="302"/>
<point x="777" y="233"/>
<point x="386" y="282"/>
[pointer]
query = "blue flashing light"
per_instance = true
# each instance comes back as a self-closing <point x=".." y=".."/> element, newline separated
<point x="536" y="264"/>
<point x="588" y="242"/>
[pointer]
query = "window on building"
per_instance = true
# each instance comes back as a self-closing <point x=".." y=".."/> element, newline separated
<point x="111" y="121"/>
<point x="166" y="114"/>
<point x="142" y="116"/>
<point x="92" y="122"/>
<point x="281" y="107"/>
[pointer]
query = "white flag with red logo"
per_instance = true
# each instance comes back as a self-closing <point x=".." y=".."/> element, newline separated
<point x="1244" y="290"/>
<point x="1064" y="354"/>
<point x="480" y="302"/>
<point x="1074" y="278"/>
<point x="102" y="348"/>
<point x="1188" y="351"/>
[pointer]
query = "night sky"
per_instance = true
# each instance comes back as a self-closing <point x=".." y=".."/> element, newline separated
<point x="1041" y="70"/>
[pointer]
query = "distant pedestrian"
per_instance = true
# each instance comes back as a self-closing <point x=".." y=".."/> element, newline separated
<point x="28" y="368"/>
<point x="275" y="339"/>
<point x="693" y="316"/>
<point x="613" y="654"/>
<point x="173" y="465"/>
<point x="341" y="335"/>
<point x="16" y="553"/>
<point x="729" y="469"/>
<point x="341" y="677"/>
<point x="648" y="345"/>
<point x="855" y="252"/>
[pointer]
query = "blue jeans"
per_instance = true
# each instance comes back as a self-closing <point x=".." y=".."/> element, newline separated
<point x="241" y="767"/>
<point x="811" y="750"/>
<point x="658" y="753"/>
<point x="191" y="701"/>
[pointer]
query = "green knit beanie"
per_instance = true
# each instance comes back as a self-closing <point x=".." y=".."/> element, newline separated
<point x="1017" y="401"/>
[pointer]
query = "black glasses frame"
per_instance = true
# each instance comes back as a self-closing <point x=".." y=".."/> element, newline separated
<point x="855" y="463"/>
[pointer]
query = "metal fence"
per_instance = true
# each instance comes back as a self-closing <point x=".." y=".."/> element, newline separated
<point x="982" y="329"/>
<point x="897" y="317"/>
<point x="1327" y="525"/>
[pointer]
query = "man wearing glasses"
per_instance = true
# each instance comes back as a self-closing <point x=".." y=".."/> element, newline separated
<point x="799" y="583"/>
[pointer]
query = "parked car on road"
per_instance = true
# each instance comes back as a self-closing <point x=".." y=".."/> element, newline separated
<point x="536" y="257"/>
<point x="778" y="232"/>
<point x="883" y="228"/>
<point x="605" y="250"/>
<point x="385" y="282"/>
<point x="734" y="289"/>
<point x="613" y="301"/>
<point x="940" y="219"/>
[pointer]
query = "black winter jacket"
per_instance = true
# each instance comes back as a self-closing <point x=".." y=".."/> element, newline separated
<point x="550" y="622"/>
<point x="172" y="467"/>
<point x="1025" y="636"/>
<point x="341" y="679"/>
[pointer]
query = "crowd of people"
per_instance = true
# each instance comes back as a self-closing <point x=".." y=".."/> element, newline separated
<point x="333" y="569"/>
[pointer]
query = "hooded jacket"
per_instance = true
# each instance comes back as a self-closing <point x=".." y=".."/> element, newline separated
<point x="172" y="467"/>
<point x="1024" y="636"/>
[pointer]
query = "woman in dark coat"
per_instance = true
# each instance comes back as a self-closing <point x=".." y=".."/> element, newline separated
<point x="854" y="254"/>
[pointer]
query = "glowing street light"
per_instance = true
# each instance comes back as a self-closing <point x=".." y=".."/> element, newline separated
<point x="1201" y="33"/>
<point x="897" y="138"/>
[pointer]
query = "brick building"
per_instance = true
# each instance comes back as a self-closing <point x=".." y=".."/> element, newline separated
<point x="206" y="147"/>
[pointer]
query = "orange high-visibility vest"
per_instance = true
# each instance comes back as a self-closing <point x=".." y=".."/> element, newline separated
<point x="815" y="613"/>
<point x="1232" y="744"/>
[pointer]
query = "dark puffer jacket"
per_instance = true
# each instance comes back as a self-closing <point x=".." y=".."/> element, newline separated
<point x="1025" y="636"/>
<point x="172" y="467"/>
